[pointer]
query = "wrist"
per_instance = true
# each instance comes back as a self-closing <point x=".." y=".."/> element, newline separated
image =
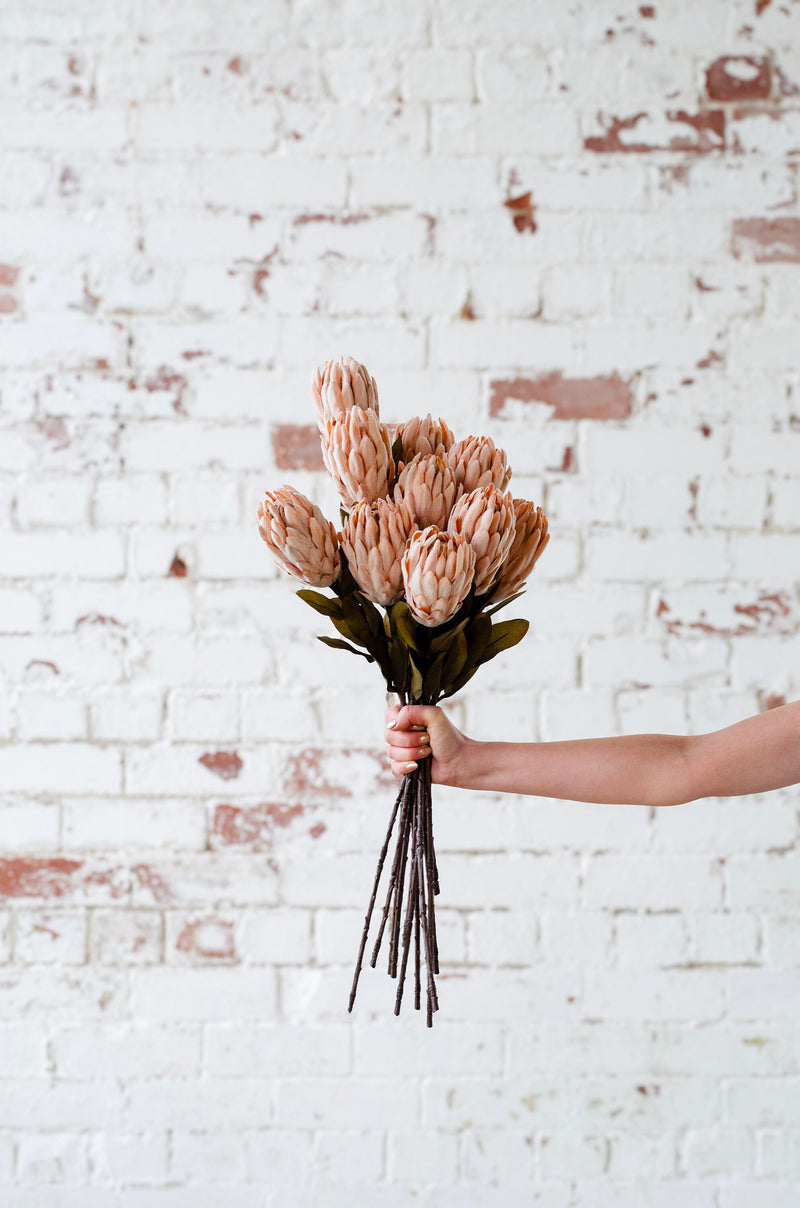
<point x="469" y="771"/>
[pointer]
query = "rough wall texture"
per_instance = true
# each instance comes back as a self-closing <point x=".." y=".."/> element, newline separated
<point x="574" y="226"/>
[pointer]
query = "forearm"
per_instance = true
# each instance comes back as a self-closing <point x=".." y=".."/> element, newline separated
<point x="639" y="769"/>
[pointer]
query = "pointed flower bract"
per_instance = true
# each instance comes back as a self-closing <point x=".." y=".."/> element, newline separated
<point x="301" y="540"/>
<point x="374" y="539"/>
<point x="437" y="573"/>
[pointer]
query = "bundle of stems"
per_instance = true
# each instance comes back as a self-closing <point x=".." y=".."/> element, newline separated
<point x="413" y="874"/>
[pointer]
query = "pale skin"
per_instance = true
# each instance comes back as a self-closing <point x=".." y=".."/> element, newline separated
<point x="752" y="756"/>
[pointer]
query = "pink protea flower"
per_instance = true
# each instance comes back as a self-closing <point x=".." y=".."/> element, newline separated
<point x="477" y="462"/>
<point x="437" y="574"/>
<point x="299" y="537"/>
<point x="427" y="436"/>
<point x="530" y="538"/>
<point x="357" y="452"/>
<point x="428" y="487"/>
<point x="338" y="386"/>
<point x="374" y="539"/>
<point x="486" y="518"/>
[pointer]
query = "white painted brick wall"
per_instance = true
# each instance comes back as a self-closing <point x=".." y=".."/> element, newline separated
<point x="198" y="202"/>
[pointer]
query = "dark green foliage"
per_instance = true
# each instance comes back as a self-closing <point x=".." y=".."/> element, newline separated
<point x="418" y="663"/>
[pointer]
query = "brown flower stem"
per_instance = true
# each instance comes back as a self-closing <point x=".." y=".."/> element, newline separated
<point x="397" y="908"/>
<point x="370" y="908"/>
<point x="412" y="893"/>
<point x="404" y="796"/>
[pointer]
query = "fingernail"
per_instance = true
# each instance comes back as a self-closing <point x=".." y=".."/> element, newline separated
<point x="410" y="767"/>
<point x="392" y="724"/>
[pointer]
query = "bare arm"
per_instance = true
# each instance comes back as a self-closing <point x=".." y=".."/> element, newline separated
<point x="752" y="756"/>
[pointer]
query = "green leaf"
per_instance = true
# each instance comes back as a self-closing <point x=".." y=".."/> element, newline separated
<point x="478" y="634"/>
<point x="405" y="625"/>
<point x="432" y="683"/>
<point x="505" y="635"/>
<point x="338" y="644"/>
<point x="456" y="659"/>
<point x="324" y="604"/>
<point x="444" y="637"/>
<point x="491" y="611"/>
<point x="347" y="631"/>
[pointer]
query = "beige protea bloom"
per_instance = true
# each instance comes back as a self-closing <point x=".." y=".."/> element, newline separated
<point x="476" y="462"/>
<point x="357" y="452"/>
<point x="437" y="574"/>
<point x="428" y="487"/>
<point x="338" y="386"/>
<point x="530" y="538"/>
<point x="486" y="518"/>
<point x="426" y="436"/>
<point x="374" y="539"/>
<point x="301" y="540"/>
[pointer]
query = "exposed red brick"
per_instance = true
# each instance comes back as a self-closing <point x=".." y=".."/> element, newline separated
<point x="43" y="663"/>
<point x="225" y="764"/>
<point x="150" y="878"/>
<point x="467" y="311"/>
<point x="8" y="274"/>
<point x="305" y="774"/>
<point x="8" y="304"/>
<point x="705" y="430"/>
<point x="761" y="5"/>
<point x="68" y="182"/>
<point x="712" y="357"/>
<point x="523" y="212"/>
<point x="98" y="618"/>
<point x="767" y="240"/>
<point x="177" y="568"/>
<point x="786" y="87"/>
<point x="338" y="219"/>
<point x="210" y="939"/>
<point x="705" y="289"/>
<point x="166" y="380"/>
<point x="251" y="826"/>
<point x="739" y="78"/>
<point x="771" y="612"/>
<point x="573" y="398"/>
<point x="37" y="876"/>
<point x="697" y="133"/>
<point x="772" y="700"/>
<point x="236" y="66"/>
<point x="567" y="460"/>
<point x="193" y="353"/>
<point x="297" y="447"/>
<point x="694" y="487"/>
<point x="56" y="430"/>
<point x="317" y="829"/>
<point x="647" y="11"/>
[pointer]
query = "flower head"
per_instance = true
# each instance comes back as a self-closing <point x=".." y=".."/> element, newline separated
<point x="299" y="537"/>
<point x="530" y="538"/>
<point x="485" y="517"/>
<point x="374" y="539"/>
<point x="357" y="452"/>
<point x="426" y="436"/>
<point x="428" y="487"/>
<point x="477" y="462"/>
<point x="437" y="574"/>
<point x="338" y="386"/>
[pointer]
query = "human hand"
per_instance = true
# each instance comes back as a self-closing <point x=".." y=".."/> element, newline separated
<point x="416" y="731"/>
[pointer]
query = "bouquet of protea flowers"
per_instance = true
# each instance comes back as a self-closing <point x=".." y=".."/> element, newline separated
<point x="432" y="545"/>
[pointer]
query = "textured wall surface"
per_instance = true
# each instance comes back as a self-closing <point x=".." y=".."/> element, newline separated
<point x="572" y="226"/>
